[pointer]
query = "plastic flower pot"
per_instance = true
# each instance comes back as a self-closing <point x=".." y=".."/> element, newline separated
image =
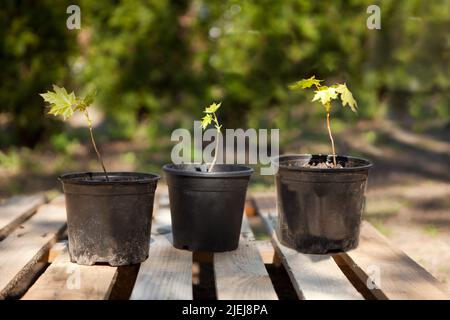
<point x="320" y="209"/>
<point x="109" y="221"/>
<point x="207" y="207"/>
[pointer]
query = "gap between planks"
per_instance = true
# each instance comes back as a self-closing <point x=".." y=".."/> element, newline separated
<point x="169" y="275"/>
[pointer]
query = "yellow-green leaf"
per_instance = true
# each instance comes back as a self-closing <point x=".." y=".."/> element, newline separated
<point x="61" y="103"/>
<point x="346" y="96"/>
<point x="305" y="83"/>
<point x="206" y="120"/>
<point x="325" y="95"/>
<point x="212" y="108"/>
<point x="64" y="104"/>
<point x="89" y="98"/>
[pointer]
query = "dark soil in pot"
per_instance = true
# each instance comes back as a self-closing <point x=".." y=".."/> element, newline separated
<point x="207" y="208"/>
<point x="109" y="221"/>
<point x="319" y="206"/>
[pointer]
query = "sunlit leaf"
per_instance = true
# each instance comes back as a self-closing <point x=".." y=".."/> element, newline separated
<point x="305" y="83"/>
<point x="212" y="108"/>
<point x="325" y="95"/>
<point x="346" y="97"/>
<point x="64" y="104"/>
<point x="206" y="120"/>
<point x="61" y="103"/>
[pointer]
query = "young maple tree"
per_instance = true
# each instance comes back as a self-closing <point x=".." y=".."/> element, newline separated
<point x="210" y="117"/>
<point x="325" y="95"/>
<point x="65" y="104"/>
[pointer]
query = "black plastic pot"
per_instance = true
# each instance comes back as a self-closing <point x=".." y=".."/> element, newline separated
<point x="109" y="221"/>
<point x="207" y="208"/>
<point x="319" y="210"/>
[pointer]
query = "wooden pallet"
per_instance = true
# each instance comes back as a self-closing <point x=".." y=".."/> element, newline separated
<point x="34" y="263"/>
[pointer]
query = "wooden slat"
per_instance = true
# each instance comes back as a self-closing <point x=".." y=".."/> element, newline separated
<point x="64" y="280"/>
<point x="55" y="251"/>
<point x="167" y="273"/>
<point x="241" y="274"/>
<point x="266" y="251"/>
<point x="399" y="277"/>
<point x="16" y="210"/>
<point x="25" y="246"/>
<point x="315" y="277"/>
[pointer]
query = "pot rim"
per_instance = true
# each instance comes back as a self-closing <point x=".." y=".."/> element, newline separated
<point x="73" y="178"/>
<point x="276" y="161"/>
<point x="246" y="171"/>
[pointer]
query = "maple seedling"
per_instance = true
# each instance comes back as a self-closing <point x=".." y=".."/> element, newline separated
<point x="325" y="95"/>
<point x="210" y="117"/>
<point x="65" y="104"/>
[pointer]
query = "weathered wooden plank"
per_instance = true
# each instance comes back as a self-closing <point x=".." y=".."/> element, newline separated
<point x="55" y="251"/>
<point x="16" y="210"/>
<point x="266" y="251"/>
<point x="315" y="277"/>
<point x="167" y="273"/>
<point x="393" y="275"/>
<point x="241" y="274"/>
<point x="25" y="246"/>
<point x="64" y="280"/>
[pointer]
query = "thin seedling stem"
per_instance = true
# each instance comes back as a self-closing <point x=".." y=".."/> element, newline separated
<point x="216" y="151"/>
<point x="331" y="138"/>
<point x="94" y="144"/>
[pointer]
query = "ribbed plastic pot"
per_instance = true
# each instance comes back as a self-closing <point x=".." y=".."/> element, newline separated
<point x="320" y="210"/>
<point x="207" y="208"/>
<point x="109" y="221"/>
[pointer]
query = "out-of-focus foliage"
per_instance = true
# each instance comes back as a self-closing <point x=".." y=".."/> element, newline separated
<point x="150" y="57"/>
<point x="138" y="56"/>
<point x="34" y="51"/>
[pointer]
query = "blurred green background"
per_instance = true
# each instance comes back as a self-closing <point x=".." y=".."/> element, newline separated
<point x="153" y="59"/>
<point x="157" y="64"/>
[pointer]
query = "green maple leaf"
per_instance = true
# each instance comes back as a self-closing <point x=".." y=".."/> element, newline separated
<point x="212" y="108"/>
<point x="305" y="83"/>
<point x="206" y="120"/>
<point x="325" y="95"/>
<point x="211" y="116"/>
<point x="61" y="103"/>
<point x="64" y="104"/>
<point x="89" y="98"/>
<point x="346" y="97"/>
